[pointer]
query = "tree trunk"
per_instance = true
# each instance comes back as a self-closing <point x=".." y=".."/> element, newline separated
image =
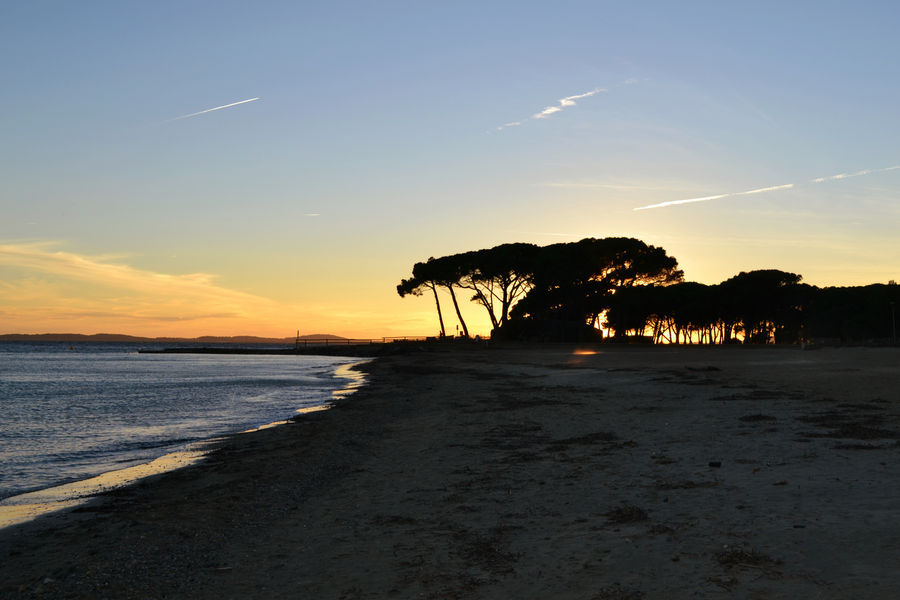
<point x="458" y="314"/>
<point x="482" y="299"/>
<point x="438" y="304"/>
<point x="504" y="310"/>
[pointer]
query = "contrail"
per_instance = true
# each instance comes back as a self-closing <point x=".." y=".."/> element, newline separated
<point x="211" y="110"/>
<point x="563" y="103"/>
<point x="786" y="186"/>
<point x="566" y="103"/>
<point x="849" y="175"/>
<point x="773" y="188"/>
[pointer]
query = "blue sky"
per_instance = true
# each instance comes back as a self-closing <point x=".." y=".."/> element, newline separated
<point x="379" y="139"/>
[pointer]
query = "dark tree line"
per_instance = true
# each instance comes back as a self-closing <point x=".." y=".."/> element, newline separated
<point x="759" y="307"/>
<point x="558" y="291"/>
<point x="567" y="291"/>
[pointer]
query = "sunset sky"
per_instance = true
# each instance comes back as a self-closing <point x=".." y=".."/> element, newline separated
<point x="352" y="139"/>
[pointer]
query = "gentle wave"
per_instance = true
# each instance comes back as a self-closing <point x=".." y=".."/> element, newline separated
<point x="68" y="415"/>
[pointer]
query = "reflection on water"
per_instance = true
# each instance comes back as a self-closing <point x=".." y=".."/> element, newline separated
<point x="354" y="377"/>
<point x="25" y="507"/>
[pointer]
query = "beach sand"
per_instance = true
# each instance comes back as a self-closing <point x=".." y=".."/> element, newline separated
<point x="516" y="472"/>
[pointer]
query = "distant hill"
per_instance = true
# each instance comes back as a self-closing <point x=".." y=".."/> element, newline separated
<point x="116" y="337"/>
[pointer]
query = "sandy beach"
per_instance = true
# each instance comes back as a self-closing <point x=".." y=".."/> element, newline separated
<point x="521" y="472"/>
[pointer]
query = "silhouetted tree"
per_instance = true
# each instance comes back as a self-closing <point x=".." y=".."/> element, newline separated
<point x="560" y="292"/>
<point x="852" y="314"/>
<point x="575" y="283"/>
<point x="420" y="281"/>
<point x="762" y="303"/>
<point x="498" y="276"/>
<point x="695" y="311"/>
<point x="681" y="312"/>
<point x="446" y="272"/>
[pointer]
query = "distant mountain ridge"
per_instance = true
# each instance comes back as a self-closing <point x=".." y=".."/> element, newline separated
<point x="117" y="337"/>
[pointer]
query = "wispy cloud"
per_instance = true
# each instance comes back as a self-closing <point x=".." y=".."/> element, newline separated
<point x="856" y="174"/>
<point x="209" y="110"/>
<point x="773" y="188"/>
<point x="567" y="102"/>
<point x="98" y="285"/>
<point x="563" y="103"/>
<point x="44" y="288"/>
<point x="606" y="185"/>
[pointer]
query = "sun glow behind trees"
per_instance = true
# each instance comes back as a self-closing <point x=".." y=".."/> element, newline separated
<point x="300" y="161"/>
<point x="572" y="291"/>
<point x="524" y="285"/>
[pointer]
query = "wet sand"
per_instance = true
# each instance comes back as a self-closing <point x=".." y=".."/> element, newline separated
<point x="521" y="473"/>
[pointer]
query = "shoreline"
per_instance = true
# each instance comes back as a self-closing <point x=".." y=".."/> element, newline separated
<point x="24" y="507"/>
<point x="363" y="350"/>
<point x="520" y="472"/>
<point x="360" y="350"/>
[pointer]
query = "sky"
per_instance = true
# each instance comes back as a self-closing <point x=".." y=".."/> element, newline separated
<point x="231" y="168"/>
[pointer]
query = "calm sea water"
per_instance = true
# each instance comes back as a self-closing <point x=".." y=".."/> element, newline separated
<point x="68" y="413"/>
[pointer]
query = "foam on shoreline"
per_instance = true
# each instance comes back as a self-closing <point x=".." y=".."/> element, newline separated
<point x="25" y="507"/>
<point x="516" y="473"/>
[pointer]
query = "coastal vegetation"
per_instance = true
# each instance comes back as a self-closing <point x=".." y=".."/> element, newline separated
<point x="636" y="292"/>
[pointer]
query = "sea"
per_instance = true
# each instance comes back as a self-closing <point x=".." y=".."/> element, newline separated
<point x="70" y="412"/>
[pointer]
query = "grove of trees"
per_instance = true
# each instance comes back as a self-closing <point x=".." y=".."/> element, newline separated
<point x="568" y="291"/>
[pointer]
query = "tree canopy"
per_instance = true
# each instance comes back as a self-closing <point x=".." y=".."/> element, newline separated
<point x="574" y="282"/>
<point x="568" y="291"/>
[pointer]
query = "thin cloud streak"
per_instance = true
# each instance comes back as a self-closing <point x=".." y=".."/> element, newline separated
<point x="188" y="291"/>
<point x="773" y="188"/>
<point x="44" y="289"/>
<point x="209" y="110"/>
<point x="618" y="187"/>
<point x="50" y="290"/>
<point x="686" y="201"/>
<point x="566" y="102"/>
<point x="856" y="174"/>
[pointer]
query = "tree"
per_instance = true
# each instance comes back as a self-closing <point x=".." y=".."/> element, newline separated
<point x="576" y="281"/>
<point x="692" y="308"/>
<point x="432" y="274"/>
<point x="415" y="286"/>
<point x="634" y="309"/>
<point x="568" y="284"/>
<point x="498" y="276"/>
<point x="763" y="303"/>
<point x="852" y="314"/>
<point x="445" y="271"/>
